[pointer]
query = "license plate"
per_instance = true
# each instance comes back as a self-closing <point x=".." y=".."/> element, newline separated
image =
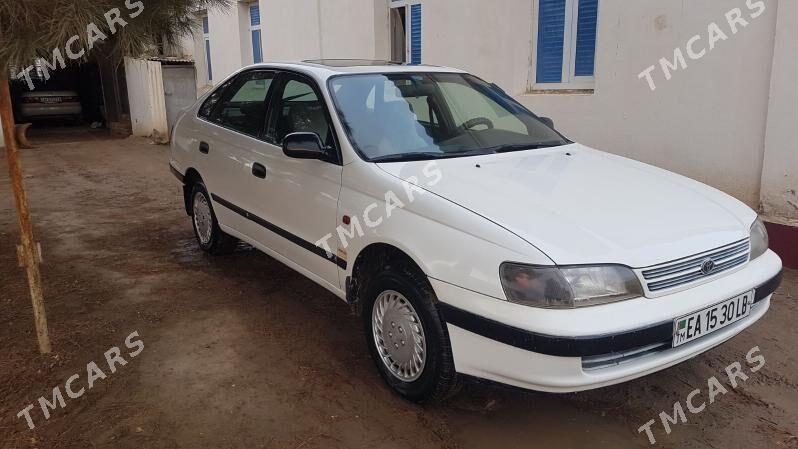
<point x="698" y="324"/>
<point x="50" y="100"/>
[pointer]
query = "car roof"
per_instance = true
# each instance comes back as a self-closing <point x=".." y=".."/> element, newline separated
<point x="326" y="68"/>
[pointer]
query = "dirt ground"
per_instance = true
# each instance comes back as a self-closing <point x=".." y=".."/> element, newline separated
<point x="242" y="352"/>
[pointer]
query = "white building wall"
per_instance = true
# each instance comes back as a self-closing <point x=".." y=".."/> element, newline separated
<point x="224" y="25"/>
<point x="780" y="173"/>
<point x="492" y="40"/>
<point x="291" y="30"/>
<point x="708" y="122"/>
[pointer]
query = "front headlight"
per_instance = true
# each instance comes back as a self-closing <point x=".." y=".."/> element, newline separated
<point x="568" y="287"/>
<point x="759" y="239"/>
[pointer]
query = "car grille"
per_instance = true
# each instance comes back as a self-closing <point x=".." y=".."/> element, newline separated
<point x="694" y="268"/>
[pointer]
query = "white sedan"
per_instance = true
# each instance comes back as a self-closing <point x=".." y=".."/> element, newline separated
<point x="472" y="237"/>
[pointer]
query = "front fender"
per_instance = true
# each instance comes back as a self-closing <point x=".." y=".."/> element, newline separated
<point x="448" y="242"/>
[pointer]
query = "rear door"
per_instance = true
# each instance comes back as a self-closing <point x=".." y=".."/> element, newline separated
<point x="230" y="138"/>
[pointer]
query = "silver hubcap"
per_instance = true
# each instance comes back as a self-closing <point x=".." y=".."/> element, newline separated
<point x="399" y="336"/>
<point x="203" y="220"/>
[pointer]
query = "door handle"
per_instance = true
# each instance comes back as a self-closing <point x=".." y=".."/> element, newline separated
<point x="258" y="171"/>
<point x="204" y="148"/>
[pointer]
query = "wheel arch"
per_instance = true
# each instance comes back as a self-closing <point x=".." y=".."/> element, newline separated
<point x="368" y="262"/>
<point x="191" y="177"/>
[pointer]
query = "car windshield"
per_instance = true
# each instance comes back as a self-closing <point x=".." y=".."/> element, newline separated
<point x="416" y="116"/>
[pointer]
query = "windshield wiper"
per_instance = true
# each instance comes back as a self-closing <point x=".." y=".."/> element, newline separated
<point x="527" y="146"/>
<point x="423" y="156"/>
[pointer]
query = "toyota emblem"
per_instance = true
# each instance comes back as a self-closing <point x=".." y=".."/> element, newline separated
<point x="707" y="266"/>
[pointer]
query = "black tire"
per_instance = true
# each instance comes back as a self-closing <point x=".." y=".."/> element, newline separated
<point x="219" y="243"/>
<point x="438" y="380"/>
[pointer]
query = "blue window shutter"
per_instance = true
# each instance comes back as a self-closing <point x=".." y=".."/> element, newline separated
<point x="205" y="25"/>
<point x="586" y="38"/>
<point x="254" y="15"/>
<point x="415" y="34"/>
<point x="208" y="58"/>
<point x="551" y="39"/>
<point x="257" y="51"/>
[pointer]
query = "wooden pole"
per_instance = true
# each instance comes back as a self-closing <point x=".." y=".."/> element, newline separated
<point x="29" y="252"/>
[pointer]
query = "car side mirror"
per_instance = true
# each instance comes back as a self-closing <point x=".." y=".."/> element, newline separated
<point x="547" y="121"/>
<point x="304" y="146"/>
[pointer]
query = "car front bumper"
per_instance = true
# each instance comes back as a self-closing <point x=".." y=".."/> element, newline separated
<point x="581" y="349"/>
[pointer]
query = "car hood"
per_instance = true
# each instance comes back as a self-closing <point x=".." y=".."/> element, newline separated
<point x="583" y="206"/>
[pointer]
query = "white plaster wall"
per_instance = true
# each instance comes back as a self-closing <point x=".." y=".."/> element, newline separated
<point x="492" y="40"/>
<point x="348" y="29"/>
<point x="245" y="36"/>
<point x="780" y="173"/>
<point x="225" y="36"/>
<point x="290" y="29"/>
<point x="708" y="122"/>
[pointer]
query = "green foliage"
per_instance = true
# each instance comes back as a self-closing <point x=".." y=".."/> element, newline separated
<point x="31" y="28"/>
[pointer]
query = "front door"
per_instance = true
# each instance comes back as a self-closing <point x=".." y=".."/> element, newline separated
<point x="297" y="199"/>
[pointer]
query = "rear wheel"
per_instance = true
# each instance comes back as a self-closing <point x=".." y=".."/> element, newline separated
<point x="407" y="339"/>
<point x="206" y="228"/>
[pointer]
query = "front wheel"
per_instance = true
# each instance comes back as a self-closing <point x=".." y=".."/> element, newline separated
<point x="206" y="228"/>
<point x="407" y="339"/>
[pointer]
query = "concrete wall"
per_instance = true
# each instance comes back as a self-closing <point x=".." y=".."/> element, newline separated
<point x="780" y="173"/>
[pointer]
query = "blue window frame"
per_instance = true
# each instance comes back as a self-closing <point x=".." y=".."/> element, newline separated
<point x="415" y="34"/>
<point x="254" y="29"/>
<point x="254" y="15"/>
<point x="587" y="20"/>
<point x="566" y="43"/>
<point x="207" y="39"/>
